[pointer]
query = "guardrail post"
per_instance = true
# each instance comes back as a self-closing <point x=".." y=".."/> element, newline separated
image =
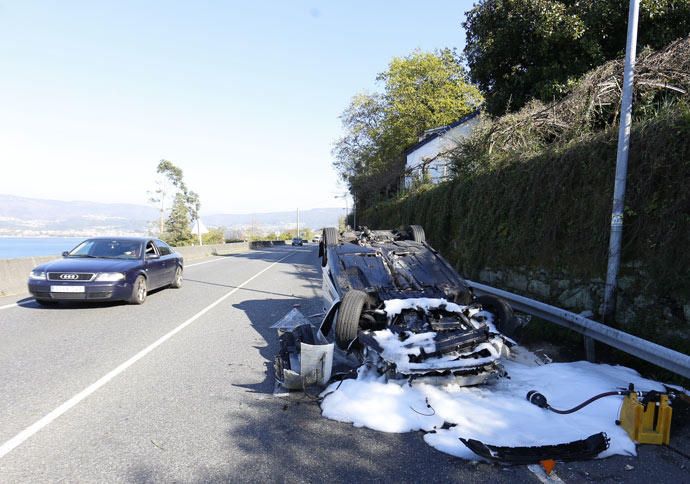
<point x="590" y="352"/>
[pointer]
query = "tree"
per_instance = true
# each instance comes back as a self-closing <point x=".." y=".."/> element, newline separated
<point x="169" y="181"/>
<point x="177" y="230"/>
<point x="522" y="49"/>
<point x="193" y="206"/>
<point x="421" y="91"/>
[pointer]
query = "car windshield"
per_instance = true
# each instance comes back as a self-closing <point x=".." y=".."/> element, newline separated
<point x="108" y="249"/>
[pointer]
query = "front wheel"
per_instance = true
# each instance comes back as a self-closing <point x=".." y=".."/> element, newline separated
<point x="139" y="291"/>
<point x="349" y="314"/>
<point x="177" y="280"/>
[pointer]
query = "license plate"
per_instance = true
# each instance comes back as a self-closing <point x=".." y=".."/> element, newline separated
<point x="67" y="289"/>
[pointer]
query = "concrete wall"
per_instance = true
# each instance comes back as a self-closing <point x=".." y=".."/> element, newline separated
<point x="15" y="272"/>
<point x="201" y="251"/>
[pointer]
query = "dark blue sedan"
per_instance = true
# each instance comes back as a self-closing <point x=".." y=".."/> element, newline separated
<point x="107" y="269"/>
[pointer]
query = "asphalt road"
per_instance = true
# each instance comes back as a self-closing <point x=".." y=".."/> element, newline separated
<point x="181" y="389"/>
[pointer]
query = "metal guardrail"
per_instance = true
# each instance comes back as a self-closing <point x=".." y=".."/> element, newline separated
<point x="669" y="359"/>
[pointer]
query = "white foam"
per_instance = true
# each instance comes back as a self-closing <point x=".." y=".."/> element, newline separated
<point x="496" y="414"/>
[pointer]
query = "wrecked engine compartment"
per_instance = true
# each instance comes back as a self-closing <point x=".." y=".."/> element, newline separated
<point x="436" y="340"/>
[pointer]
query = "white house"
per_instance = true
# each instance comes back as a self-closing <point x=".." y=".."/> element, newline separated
<point x="429" y="156"/>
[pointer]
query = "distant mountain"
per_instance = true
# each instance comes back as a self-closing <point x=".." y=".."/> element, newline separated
<point x="20" y="216"/>
<point x="31" y="216"/>
<point x="314" y="218"/>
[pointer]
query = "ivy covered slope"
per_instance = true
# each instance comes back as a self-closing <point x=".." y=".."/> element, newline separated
<point x="534" y="189"/>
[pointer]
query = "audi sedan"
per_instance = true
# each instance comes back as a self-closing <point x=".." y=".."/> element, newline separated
<point x="107" y="269"/>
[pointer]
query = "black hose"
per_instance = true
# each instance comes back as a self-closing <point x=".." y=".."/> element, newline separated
<point x="540" y="401"/>
<point x="585" y="403"/>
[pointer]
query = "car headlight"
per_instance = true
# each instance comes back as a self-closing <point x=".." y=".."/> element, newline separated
<point x="37" y="275"/>
<point x="110" y="276"/>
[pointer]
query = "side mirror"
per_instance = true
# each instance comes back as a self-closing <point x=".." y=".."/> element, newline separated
<point x="65" y="254"/>
<point x="152" y="256"/>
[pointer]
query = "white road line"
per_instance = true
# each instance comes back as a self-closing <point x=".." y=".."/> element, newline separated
<point x="539" y="472"/>
<point x="205" y="262"/>
<point x="25" y="434"/>
<point x="15" y="305"/>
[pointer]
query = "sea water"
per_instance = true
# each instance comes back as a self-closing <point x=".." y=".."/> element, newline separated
<point x="17" y="247"/>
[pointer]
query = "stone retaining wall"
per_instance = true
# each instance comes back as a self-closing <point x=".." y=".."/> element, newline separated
<point x="634" y="301"/>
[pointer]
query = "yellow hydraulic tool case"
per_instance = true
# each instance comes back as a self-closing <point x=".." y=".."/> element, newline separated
<point x="647" y="422"/>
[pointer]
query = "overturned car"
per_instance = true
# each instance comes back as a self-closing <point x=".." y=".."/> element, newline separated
<point x="398" y="306"/>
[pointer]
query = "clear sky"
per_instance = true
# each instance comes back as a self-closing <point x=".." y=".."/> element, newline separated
<point x="243" y="96"/>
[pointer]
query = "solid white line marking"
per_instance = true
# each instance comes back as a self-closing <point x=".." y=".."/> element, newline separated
<point x="25" y="434"/>
<point x="539" y="472"/>
<point x="205" y="262"/>
<point x="15" y="305"/>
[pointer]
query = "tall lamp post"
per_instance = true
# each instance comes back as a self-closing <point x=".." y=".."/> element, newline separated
<point x="347" y="209"/>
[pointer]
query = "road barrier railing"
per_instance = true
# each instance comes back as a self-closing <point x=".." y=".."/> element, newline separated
<point x="658" y="355"/>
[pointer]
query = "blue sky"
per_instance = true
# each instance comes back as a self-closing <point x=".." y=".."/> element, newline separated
<point x="243" y="96"/>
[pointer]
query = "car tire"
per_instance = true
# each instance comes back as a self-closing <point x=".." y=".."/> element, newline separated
<point x="139" y="291"/>
<point x="177" y="280"/>
<point x="45" y="302"/>
<point x="329" y="239"/>
<point x="416" y="233"/>
<point x="505" y="320"/>
<point x="349" y="314"/>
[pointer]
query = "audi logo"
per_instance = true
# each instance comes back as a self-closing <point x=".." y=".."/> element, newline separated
<point x="69" y="276"/>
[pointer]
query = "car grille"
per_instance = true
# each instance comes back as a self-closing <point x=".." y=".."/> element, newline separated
<point x="70" y="276"/>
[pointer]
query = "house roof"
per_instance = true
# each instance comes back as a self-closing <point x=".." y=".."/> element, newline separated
<point x="434" y="133"/>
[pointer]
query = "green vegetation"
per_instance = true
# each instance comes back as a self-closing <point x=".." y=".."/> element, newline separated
<point x="176" y="230"/>
<point x="552" y="209"/>
<point x="421" y="91"/>
<point x="518" y="50"/>
<point x="214" y="236"/>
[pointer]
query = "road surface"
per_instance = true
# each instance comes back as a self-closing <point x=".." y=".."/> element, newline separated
<point x="181" y="389"/>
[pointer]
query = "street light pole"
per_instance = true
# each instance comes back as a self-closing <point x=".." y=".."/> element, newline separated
<point x="347" y="208"/>
<point x="621" y="166"/>
<point x="354" y="212"/>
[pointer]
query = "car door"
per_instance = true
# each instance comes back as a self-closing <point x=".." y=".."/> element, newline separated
<point x="170" y="260"/>
<point x="155" y="265"/>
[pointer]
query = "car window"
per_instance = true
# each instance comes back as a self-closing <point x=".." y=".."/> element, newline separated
<point x="163" y="248"/>
<point x="150" y="249"/>
<point x="107" y="248"/>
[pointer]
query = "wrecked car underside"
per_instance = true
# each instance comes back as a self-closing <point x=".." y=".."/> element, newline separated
<point x="397" y="305"/>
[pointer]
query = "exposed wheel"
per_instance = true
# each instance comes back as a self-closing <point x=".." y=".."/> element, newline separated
<point x="329" y="239"/>
<point x="45" y="302"/>
<point x="139" y="291"/>
<point x="416" y="233"/>
<point x="349" y="314"/>
<point x="177" y="280"/>
<point x="504" y="319"/>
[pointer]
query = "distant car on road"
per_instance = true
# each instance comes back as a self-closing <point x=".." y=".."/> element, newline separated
<point x="297" y="241"/>
<point x="107" y="269"/>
